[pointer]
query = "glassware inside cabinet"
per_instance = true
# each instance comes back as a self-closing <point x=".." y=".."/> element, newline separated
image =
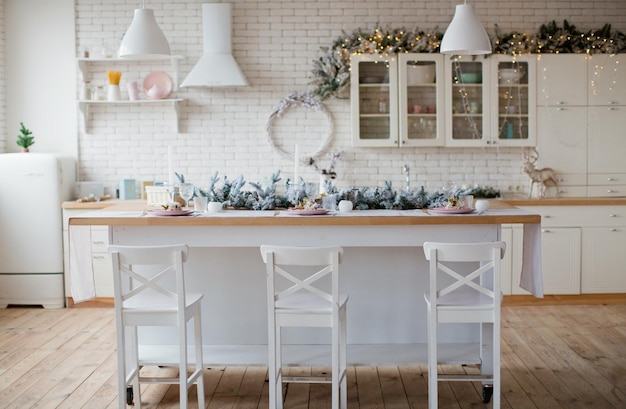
<point x="513" y="97"/>
<point x="421" y="100"/>
<point x="467" y="99"/>
<point x="374" y="100"/>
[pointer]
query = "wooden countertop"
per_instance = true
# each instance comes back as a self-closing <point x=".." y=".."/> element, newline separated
<point x="134" y="213"/>
<point x="568" y="201"/>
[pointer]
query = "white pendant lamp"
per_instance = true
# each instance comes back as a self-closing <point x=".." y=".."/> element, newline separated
<point x="144" y="39"/>
<point x="465" y="35"/>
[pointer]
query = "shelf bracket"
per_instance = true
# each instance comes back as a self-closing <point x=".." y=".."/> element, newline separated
<point x="83" y="109"/>
<point x="176" y="107"/>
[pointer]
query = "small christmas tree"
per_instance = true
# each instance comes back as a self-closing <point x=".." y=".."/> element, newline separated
<point x="25" y="139"/>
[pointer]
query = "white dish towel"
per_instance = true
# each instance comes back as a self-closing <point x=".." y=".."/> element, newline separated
<point x="531" y="276"/>
<point x="82" y="283"/>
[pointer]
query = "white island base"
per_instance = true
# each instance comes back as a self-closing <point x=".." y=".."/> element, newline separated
<point x="384" y="272"/>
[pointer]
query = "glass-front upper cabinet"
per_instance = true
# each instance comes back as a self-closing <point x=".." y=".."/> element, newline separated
<point x="513" y="100"/>
<point x="374" y="100"/>
<point x="421" y="99"/>
<point x="467" y="94"/>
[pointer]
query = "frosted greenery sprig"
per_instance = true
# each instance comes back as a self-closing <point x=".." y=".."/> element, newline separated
<point x="259" y="197"/>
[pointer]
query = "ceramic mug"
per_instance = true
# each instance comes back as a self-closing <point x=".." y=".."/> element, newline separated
<point x="200" y="203"/>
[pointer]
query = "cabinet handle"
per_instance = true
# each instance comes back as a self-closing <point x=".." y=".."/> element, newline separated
<point x="547" y="216"/>
<point x="98" y="257"/>
<point x="613" y="230"/>
<point x="613" y="102"/>
<point x="610" y="179"/>
<point x="611" y="191"/>
<point x="545" y="231"/>
<point x="561" y="102"/>
<point x="98" y="242"/>
<point x="612" y="109"/>
<point x="560" y="109"/>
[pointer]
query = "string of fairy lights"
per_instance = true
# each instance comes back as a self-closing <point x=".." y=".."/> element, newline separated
<point x="331" y="71"/>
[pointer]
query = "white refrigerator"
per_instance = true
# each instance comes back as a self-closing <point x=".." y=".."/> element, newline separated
<point x="32" y="187"/>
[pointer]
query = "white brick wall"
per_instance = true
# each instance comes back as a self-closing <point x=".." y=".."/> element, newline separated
<point x="223" y="129"/>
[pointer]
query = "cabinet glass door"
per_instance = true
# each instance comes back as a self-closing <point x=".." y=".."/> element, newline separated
<point x="374" y="102"/>
<point x="468" y="97"/>
<point x="420" y="102"/>
<point x="514" y="100"/>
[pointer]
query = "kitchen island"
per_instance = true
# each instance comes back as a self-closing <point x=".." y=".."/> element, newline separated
<point x="384" y="272"/>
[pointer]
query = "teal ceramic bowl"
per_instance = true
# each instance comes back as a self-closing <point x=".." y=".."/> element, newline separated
<point x="471" y="78"/>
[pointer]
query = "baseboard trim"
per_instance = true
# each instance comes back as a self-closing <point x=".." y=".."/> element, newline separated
<point x="100" y="302"/>
<point x="509" y="300"/>
<point x="593" y="299"/>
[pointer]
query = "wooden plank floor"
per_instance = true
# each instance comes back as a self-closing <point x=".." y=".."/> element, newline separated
<point x="560" y="356"/>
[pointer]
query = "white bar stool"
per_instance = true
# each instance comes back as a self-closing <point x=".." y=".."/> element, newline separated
<point x="143" y="298"/>
<point x="296" y="299"/>
<point x="458" y="297"/>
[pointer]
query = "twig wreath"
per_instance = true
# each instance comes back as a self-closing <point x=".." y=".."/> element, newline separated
<point x="300" y="100"/>
<point x="331" y="71"/>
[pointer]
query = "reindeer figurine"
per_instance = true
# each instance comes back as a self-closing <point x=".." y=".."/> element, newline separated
<point x="540" y="176"/>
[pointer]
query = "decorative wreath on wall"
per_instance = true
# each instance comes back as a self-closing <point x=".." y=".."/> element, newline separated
<point x="300" y="100"/>
<point x="331" y="71"/>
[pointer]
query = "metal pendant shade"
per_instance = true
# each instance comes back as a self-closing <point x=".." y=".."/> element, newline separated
<point x="144" y="39"/>
<point x="465" y="35"/>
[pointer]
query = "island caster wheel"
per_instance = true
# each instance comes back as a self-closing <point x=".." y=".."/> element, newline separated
<point x="129" y="395"/>
<point x="487" y="393"/>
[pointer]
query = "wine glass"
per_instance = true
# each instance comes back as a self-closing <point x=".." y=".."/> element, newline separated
<point x="186" y="192"/>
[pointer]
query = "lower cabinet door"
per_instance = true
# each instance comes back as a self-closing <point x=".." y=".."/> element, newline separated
<point x="603" y="260"/>
<point x="560" y="261"/>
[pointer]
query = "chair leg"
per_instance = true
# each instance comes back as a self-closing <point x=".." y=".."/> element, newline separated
<point x="182" y="366"/>
<point x="278" y="368"/>
<point x="134" y="366"/>
<point x="121" y="368"/>
<point x="197" y="321"/>
<point x="343" y="360"/>
<point x="335" y="364"/>
<point x="432" y="363"/>
<point x="496" y="367"/>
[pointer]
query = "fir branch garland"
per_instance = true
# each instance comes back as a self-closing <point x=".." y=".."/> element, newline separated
<point x="331" y="71"/>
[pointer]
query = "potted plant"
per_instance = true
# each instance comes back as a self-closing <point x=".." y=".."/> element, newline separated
<point x="25" y="138"/>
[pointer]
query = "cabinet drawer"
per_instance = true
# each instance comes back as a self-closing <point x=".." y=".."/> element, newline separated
<point x="570" y="191"/>
<point x="606" y="191"/>
<point x="607" y="179"/>
<point x="579" y="216"/>
<point x="558" y="216"/>
<point x="99" y="240"/>
<point x="572" y="179"/>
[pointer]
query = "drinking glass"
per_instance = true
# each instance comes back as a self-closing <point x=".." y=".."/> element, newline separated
<point x="172" y="190"/>
<point x="186" y="191"/>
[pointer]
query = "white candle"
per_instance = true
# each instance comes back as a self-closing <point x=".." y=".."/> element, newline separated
<point x="170" y="172"/>
<point x="296" y="165"/>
